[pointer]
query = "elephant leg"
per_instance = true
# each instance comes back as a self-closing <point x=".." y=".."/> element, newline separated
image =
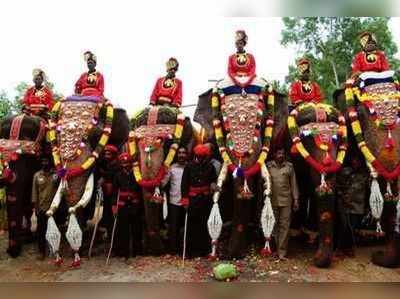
<point x="14" y="212"/>
<point x="241" y="217"/>
<point x="323" y="256"/>
<point x="390" y="256"/>
<point x="153" y="242"/>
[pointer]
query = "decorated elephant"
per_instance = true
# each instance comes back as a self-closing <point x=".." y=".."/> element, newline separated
<point x="241" y="122"/>
<point x="21" y="142"/>
<point x="318" y="133"/>
<point x="157" y="132"/>
<point x="372" y="107"/>
<point x="79" y="129"/>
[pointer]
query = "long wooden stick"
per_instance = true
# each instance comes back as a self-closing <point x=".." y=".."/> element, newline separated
<point x="113" y="232"/>
<point x="184" y="240"/>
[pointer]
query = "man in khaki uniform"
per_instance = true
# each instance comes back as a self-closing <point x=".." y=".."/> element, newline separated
<point x="285" y="196"/>
<point x="44" y="187"/>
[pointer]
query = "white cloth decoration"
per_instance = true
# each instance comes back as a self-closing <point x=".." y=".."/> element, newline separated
<point x="214" y="222"/>
<point x="397" y="227"/>
<point x="267" y="214"/>
<point x="74" y="233"/>
<point x="165" y="206"/>
<point x="53" y="235"/>
<point x="376" y="203"/>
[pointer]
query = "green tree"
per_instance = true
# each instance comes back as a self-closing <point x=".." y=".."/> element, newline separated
<point x="5" y="105"/>
<point x="331" y="43"/>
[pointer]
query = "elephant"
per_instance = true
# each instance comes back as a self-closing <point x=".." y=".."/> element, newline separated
<point x="247" y="117"/>
<point x="21" y="142"/>
<point x="80" y="127"/>
<point x="372" y="113"/>
<point x="318" y="134"/>
<point x="157" y="132"/>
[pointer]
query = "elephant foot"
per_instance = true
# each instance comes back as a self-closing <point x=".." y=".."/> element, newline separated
<point x="14" y="251"/>
<point x="390" y="257"/>
<point x="323" y="258"/>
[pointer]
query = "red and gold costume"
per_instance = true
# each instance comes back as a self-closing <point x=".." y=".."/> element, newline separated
<point x="90" y="84"/>
<point x="169" y="90"/>
<point x="241" y="64"/>
<point x="369" y="61"/>
<point x="304" y="90"/>
<point x="36" y="98"/>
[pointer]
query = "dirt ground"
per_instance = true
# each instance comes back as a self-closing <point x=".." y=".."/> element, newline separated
<point x="253" y="268"/>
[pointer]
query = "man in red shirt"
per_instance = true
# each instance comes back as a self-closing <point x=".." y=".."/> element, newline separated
<point x="241" y="65"/>
<point x="370" y="59"/>
<point x="168" y="89"/>
<point x="304" y="90"/>
<point x="38" y="99"/>
<point x="90" y="83"/>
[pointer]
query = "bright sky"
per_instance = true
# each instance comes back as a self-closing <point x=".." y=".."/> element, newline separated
<point x="133" y="40"/>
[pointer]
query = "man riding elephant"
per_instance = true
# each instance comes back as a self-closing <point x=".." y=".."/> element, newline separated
<point x="90" y="83"/>
<point x="372" y="104"/>
<point x="235" y="112"/>
<point x="168" y="89"/>
<point x="370" y="59"/>
<point x="304" y="90"/>
<point x="80" y="128"/>
<point x="38" y="99"/>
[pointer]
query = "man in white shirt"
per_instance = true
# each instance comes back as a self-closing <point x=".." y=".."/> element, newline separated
<point x="176" y="212"/>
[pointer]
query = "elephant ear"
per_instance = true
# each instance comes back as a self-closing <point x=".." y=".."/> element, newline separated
<point x="203" y="114"/>
<point x="280" y="134"/>
<point x="339" y="101"/>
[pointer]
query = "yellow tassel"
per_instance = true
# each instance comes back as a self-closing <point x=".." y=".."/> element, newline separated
<point x="367" y="154"/>
<point x="52" y="135"/>
<point x="355" y="125"/>
<point x="56" y="107"/>
<point x="214" y="102"/>
<point x="268" y="132"/>
<point x="103" y="140"/>
<point x="132" y="148"/>
<point x="56" y="158"/>
<point x="302" y="150"/>
<point x="88" y="163"/>
<point x="110" y="112"/>
<point x="262" y="157"/>
<point x="340" y="156"/>
<point x="291" y="122"/>
<point x="170" y="156"/>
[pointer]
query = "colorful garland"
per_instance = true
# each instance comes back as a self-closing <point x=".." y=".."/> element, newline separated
<point x="298" y="144"/>
<point x="350" y="93"/>
<point x="133" y="152"/>
<point x="88" y="163"/>
<point x="217" y="105"/>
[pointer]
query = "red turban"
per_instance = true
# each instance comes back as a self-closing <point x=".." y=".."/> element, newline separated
<point x="111" y="148"/>
<point x="202" y="150"/>
<point x="125" y="157"/>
